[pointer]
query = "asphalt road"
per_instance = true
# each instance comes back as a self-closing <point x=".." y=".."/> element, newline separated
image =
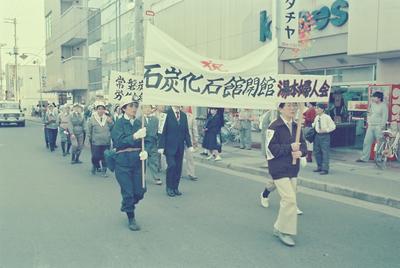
<point x="53" y="214"/>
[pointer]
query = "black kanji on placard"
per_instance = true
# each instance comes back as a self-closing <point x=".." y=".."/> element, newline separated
<point x="252" y="86"/>
<point x="212" y="87"/>
<point x="188" y="82"/>
<point x="291" y="3"/>
<point x="233" y="87"/>
<point x="314" y="90"/>
<point x="290" y="16"/>
<point x="118" y="94"/>
<point x="267" y="87"/>
<point x="324" y="89"/>
<point x="132" y="84"/>
<point x="289" y="32"/>
<point x="149" y="76"/>
<point x="137" y="96"/>
<point x="284" y="89"/>
<point x="304" y="88"/>
<point x="120" y="82"/>
<point x="171" y="79"/>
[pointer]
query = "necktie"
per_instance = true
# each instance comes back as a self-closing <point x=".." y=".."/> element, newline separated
<point x="319" y="124"/>
<point x="177" y="116"/>
<point x="101" y="119"/>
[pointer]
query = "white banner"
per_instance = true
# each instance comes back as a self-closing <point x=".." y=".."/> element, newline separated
<point x="289" y="21"/>
<point x="174" y="75"/>
<point x="125" y="84"/>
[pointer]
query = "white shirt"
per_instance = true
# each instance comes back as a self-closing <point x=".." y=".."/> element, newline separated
<point x="323" y="124"/>
<point x="131" y="120"/>
<point x="289" y="124"/>
<point x="378" y="114"/>
<point x="176" y="111"/>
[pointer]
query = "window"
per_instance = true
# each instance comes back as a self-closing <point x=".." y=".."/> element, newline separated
<point x="48" y="22"/>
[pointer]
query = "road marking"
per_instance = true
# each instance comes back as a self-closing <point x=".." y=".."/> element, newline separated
<point x="328" y="196"/>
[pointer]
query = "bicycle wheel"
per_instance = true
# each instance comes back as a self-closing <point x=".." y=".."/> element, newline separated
<point x="380" y="156"/>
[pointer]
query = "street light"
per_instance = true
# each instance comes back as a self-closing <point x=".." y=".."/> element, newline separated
<point x="14" y="21"/>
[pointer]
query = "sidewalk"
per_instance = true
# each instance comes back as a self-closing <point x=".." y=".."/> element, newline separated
<point x="362" y="181"/>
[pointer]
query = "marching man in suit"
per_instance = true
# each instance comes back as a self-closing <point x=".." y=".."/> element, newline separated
<point x="175" y="135"/>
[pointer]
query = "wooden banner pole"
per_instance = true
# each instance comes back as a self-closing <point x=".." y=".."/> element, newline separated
<point x="143" y="161"/>
<point x="299" y="124"/>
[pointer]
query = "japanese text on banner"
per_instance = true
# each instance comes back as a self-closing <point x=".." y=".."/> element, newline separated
<point x="125" y="84"/>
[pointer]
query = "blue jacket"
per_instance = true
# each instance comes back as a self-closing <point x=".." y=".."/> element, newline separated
<point x="279" y="150"/>
<point x="122" y="134"/>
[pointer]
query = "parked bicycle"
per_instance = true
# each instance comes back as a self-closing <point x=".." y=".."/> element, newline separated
<point x="387" y="147"/>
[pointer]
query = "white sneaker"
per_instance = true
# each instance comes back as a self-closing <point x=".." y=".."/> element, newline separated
<point x="299" y="212"/>
<point x="210" y="157"/>
<point x="264" y="201"/>
<point x="218" y="158"/>
<point x="285" y="238"/>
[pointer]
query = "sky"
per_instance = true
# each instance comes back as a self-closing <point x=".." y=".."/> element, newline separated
<point x="30" y="28"/>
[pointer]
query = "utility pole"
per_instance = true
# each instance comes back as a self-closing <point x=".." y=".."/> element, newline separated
<point x="139" y="38"/>
<point x="14" y="21"/>
<point x="1" y="72"/>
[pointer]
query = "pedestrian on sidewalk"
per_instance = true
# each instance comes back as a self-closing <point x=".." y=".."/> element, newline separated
<point x="212" y="139"/>
<point x="194" y="136"/>
<point x="376" y="119"/>
<point x="65" y="136"/>
<point x="45" y="130"/>
<point x="127" y="135"/>
<point x="174" y="137"/>
<point x="153" y="163"/>
<point x="309" y="116"/>
<point x="245" y="128"/>
<point x="281" y="150"/>
<point x="76" y="126"/>
<point x="323" y="125"/>
<point x="98" y="131"/>
<point x="52" y="126"/>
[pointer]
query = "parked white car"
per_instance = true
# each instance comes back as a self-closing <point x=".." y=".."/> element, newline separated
<point x="11" y="113"/>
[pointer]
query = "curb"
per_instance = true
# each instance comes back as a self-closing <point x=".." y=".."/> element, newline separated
<point x="311" y="184"/>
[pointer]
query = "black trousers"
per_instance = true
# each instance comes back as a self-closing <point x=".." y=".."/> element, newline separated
<point x="46" y="136"/>
<point x="98" y="155"/>
<point x="52" y="137"/>
<point x="174" y="168"/>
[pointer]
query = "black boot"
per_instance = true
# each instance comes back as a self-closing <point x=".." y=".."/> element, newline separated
<point x="73" y="159"/>
<point x="133" y="226"/>
<point x="63" y="148"/>
<point x="77" y="161"/>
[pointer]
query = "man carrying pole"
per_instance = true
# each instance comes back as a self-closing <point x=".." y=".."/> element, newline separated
<point x="283" y="149"/>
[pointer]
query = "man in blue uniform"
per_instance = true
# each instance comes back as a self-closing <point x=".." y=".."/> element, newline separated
<point x="127" y="136"/>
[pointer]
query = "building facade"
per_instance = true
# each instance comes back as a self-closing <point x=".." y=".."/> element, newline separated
<point x="110" y="40"/>
<point x="31" y="84"/>
<point x="339" y="44"/>
<point x="66" y="23"/>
